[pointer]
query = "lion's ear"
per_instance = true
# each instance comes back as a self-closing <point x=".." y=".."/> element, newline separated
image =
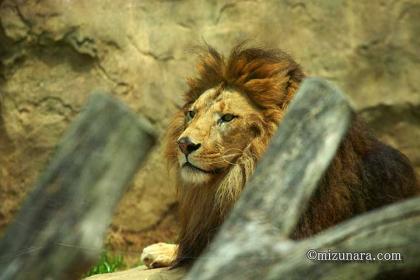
<point x="295" y="76"/>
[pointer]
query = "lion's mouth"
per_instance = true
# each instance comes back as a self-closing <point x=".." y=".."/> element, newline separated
<point x="195" y="168"/>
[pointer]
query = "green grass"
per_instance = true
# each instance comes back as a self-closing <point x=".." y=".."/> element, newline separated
<point x="107" y="264"/>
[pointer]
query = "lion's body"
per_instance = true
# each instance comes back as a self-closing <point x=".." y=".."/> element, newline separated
<point x="232" y="110"/>
<point x="365" y="174"/>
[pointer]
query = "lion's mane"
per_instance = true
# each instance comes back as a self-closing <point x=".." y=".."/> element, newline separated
<point x="364" y="174"/>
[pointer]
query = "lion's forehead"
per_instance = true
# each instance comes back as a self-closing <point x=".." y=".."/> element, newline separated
<point x="217" y="100"/>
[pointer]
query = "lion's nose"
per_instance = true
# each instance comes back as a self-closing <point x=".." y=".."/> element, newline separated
<point x="187" y="146"/>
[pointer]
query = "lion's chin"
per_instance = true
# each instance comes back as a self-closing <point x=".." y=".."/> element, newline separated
<point x="194" y="177"/>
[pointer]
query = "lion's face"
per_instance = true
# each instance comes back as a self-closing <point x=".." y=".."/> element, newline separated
<point x="218" y="127"/>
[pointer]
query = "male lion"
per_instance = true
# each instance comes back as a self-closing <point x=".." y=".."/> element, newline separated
<point x="232" y="109"/>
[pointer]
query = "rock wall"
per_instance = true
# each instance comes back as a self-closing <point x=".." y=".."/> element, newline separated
<point x="53" y="53"/>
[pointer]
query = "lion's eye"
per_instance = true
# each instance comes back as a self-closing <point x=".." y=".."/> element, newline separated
<point x="190" y="115"/>
<point x="227" y="118"/>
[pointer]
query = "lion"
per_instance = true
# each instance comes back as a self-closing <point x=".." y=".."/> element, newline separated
<point x="232" y="109"/>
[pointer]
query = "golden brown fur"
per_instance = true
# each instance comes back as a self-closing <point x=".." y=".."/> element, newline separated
<point x="259" y="84"/>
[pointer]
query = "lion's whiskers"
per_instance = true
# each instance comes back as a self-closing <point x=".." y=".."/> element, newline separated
<point x="223" y="159"/>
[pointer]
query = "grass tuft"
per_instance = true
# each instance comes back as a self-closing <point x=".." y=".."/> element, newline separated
<point x="107" y="264"/>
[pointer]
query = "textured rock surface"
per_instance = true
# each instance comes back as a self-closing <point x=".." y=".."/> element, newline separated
<point x="53" y="53"/>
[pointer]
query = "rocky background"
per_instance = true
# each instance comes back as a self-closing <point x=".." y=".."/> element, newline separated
<point x="53" y="53"/>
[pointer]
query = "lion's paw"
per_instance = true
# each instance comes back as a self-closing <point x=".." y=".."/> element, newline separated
<point x="159" y="255"/>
